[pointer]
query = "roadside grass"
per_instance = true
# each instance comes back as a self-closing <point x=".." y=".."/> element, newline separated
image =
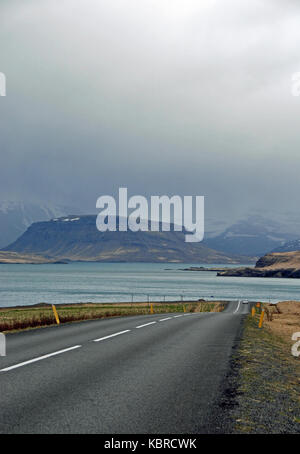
<point x="21" y="318"/>
<point x="266" y="379"/>
<point x="283" y="319"/>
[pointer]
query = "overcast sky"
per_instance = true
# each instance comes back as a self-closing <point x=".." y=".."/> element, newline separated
<point x="188" y="97"/>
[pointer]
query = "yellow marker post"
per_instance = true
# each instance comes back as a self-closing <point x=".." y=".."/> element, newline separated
<point x="261" y="318"/>
<point x="151" y="309"/>
<point x="55" y="314"/>
<point x="253" y="311"/>
<point x="184" y="308"/>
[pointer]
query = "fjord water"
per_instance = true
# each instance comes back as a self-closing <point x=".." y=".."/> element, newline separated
<point x="115" y="282"/>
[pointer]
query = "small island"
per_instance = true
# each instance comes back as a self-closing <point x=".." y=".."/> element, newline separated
<point x="203" y="268"/>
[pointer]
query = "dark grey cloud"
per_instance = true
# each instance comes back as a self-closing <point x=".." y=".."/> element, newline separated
<point x="161" y="96"/>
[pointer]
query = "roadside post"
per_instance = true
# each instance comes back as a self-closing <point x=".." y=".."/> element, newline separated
<point x="253" y="311"/>
<point x="151" y="309"/>
<point x="261" y="318"/>
<point x="55" y="314"/>
<point x="2" y="345"/>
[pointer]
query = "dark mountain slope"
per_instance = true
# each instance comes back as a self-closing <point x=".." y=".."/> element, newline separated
<point x="77" y="238"/>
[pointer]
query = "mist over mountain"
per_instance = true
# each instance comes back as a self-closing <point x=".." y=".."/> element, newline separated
<point x="254" y="235"/>
<point x="290" y="246"/>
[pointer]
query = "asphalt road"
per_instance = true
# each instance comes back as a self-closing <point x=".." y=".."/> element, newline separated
<point x="144" y="374"/>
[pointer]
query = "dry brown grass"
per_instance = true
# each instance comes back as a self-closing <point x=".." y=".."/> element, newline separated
<point x="287" y="322"/>
<point x="265" y="377"/>
<point x="205" y="307"/>
<point x="284" y="260"/>
<point x="20" y="318"/>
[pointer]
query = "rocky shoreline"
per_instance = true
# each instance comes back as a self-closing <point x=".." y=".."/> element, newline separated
<point x="276" y="265"/>
<point x="256" y="272"/>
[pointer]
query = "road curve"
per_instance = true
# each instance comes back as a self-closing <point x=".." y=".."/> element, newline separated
<point x="144" y="374"/>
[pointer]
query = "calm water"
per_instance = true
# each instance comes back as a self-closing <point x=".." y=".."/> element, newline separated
<point x="113" y="282"/>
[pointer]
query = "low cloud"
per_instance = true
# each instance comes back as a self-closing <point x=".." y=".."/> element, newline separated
<point x="163" y="97"/>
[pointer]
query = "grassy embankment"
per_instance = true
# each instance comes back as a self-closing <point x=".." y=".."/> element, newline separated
<point x="266" y="376"/>
<point x="20" y="318"/>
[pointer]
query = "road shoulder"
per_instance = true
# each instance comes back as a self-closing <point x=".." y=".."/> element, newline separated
<point x="262" y="393"/>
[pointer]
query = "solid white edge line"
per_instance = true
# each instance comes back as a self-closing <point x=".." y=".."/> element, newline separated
<point x="111" y="335"/>
<point x="146" y="324"/>
<point x="40" y="358"/>
<point x="163" y="319"/>
<point x="237" y="307"/>
<point x="176" y="316"/>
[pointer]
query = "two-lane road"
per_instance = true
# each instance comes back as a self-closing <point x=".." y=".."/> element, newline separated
<point x="142" y="374"/>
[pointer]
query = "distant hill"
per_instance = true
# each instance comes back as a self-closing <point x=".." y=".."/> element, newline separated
<point x="77" y="238"/>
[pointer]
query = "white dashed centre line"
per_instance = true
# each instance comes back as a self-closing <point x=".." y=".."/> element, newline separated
<point x="40" y="358"/>
<point x="146" y="324"/>
<point x="111" y="335"/>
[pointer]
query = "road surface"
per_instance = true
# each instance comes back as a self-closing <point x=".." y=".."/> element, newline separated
<point x="145" y="374"/>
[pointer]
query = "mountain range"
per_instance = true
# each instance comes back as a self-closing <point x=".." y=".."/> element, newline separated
<point x="253" y="236"/>
<point x="249" y="237"/>
<point x="290" y="246"/>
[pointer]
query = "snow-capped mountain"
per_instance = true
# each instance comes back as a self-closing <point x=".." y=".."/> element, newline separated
<point x="290" y="246"/>
<point x="254" y="236"/>
<point x="16" y="216"/>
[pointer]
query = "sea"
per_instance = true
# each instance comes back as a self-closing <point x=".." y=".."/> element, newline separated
<point x="22" y="285"/>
